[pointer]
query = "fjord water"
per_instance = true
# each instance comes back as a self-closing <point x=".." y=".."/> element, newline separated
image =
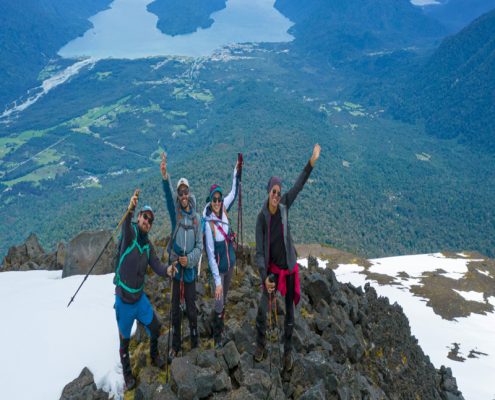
<point x="128" y="30"/>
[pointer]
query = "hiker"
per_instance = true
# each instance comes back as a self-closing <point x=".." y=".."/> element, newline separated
<point x="276" y="258"/>
<point x="131" y="303"/>
<point x="219" y="240"/>
<point x="185" y="247"/>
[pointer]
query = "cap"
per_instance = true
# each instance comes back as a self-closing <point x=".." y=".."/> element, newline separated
<point x="147" y="209"/>
<point x="182" y="181"/>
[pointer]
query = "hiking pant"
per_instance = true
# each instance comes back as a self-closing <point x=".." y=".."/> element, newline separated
<point x="127" y="313"/>
<point x="226" y="279"/>
<point x="289" y="314"/>
<point x="192" y="314"/>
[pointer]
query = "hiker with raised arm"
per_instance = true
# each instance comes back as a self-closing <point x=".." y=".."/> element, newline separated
<point x="136" y="252"/>
<point x="185" y="247"/>
<point x="219" y="240"/>
<point x="276" y="258"/>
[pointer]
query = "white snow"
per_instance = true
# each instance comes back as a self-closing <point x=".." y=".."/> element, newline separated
<point x="435" y="334"/>
<point x="45" y="345"/>
<point x="471" y="296"/>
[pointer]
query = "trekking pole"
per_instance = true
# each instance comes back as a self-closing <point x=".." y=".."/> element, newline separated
<point x="270" y="328"/>
<point x="240" y="160"/>
<point x="170" y="325"/>
<point x="136" y="193"/>
<point x="277" y="330"/>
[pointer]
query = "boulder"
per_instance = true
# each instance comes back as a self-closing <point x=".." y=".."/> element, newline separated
<point x="231" y="355"/>
<point x="83" y="250"/>
<point x="83" y="388"/>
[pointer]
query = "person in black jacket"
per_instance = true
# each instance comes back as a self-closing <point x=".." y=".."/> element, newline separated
<point x="131" y="303"/>
<point x="276" y="258"/>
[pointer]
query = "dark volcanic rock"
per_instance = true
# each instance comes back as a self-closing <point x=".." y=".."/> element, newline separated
<point x="29" y="256"/>
<point x="83" y="388"/>
<point x="348" y="343"/>
<point x="82" y="251"/>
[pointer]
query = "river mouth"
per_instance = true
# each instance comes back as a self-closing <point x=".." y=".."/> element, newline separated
<point x="127" y="30"/>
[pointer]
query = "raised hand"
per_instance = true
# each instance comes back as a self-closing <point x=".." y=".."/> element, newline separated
<point x="163" y="166"/>
<point x="315" y="155"/>
<point x="134" y="200"/>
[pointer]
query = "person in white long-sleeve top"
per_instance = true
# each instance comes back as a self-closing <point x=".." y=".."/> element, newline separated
<point x="219" y="240"/>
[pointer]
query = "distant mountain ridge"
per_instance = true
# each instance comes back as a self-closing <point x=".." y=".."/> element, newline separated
<point x="336" y="29"/>
<point x="456" y="14"/>
<point x="454" y="93"/>
<point x="31" y="33"/>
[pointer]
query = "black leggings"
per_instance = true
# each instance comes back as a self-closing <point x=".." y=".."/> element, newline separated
<point x="289" y="313"/>
<point x="192" y="314"/>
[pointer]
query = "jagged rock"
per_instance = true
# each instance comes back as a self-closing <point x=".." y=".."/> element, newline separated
<point x="83" y="388"/>
<point x="348" y="344"/>
<point x="33" y="247"/>
<point x="59" y="262"/>
<point x="28" y="256"/>
<point x="257" y="382"/>
<point x="318" y="366"/>
<point x="82" y="251"/>
<point x="29" y="266"/>
<point x="231" y="355"/>
<point x="190" y="381"/>
<point x="222" y="382"/>
<point x="317" y="392"/>
<point x="317" y="287"/>
<point x="312" y="263"/>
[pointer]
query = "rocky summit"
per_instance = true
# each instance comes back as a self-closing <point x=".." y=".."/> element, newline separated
<point x="349" y="343"/>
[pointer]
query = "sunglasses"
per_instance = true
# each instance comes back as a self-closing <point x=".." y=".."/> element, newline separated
<point x="276" y="193"/>
<point x="216" y="199"/>
<point x="183" y="192"/>
<point x="148" y="218"/>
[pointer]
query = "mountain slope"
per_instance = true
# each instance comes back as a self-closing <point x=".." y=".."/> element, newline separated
<point x="31" y="33"/>
<point x="454" y="93"/>
<point x="456" y="14"/>
<point x="336" y="29"/>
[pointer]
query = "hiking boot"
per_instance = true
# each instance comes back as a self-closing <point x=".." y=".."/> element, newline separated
<point x="218" y="330"/>
<point x="158" y="362"/>
<point x="194" y="338"/>
<point x="288" y="361"/>
<point x="130" y="381"/>
<point x="173" y="354"/>
<point x="156" y="359"/>
<point x="259" y="353"/>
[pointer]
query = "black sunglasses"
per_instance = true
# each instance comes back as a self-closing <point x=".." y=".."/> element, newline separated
<point x="216" y="199"/>
<point x="276" y="193"/>
<point x="183" y="192"/>
<point x="148" y="218"/>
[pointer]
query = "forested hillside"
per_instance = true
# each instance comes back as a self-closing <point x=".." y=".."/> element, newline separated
<point x="454" y="93"/>
<point x="337" y="29"/>
<point x="178" y="17"/>
<point x="31" y="33"/>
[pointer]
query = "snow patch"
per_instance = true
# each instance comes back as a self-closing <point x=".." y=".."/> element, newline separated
<point x="471" y="295"/>
<point x="435" y="334"/>
<point x="46" y="344"/>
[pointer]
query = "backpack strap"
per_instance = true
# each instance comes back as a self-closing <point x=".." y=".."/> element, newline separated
<point x="127" y="251"/>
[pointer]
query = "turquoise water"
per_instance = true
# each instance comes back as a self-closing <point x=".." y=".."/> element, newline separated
<point x="128" y="30"/>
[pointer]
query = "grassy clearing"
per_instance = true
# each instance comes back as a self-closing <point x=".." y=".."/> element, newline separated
<point x="12" y="143"/>
<point x="36" y="176"/>
<point x="49" y="156"/>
